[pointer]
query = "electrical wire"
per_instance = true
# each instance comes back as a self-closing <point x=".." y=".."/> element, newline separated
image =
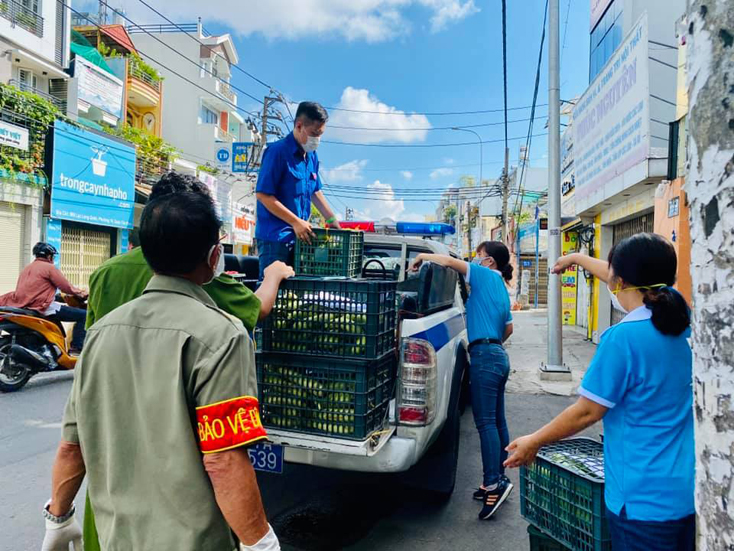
<point x="426" y="129"/>
<point x="250" y="75"/>
<point x="459" y="144"/>
<point x="528" y="143"/>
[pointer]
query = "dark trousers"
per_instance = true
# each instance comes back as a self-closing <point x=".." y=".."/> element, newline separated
<point x="644" y="535"/>
<point x="489" y="370"/>
<point x="79" y="317"/>
<point x="271" y="251"/>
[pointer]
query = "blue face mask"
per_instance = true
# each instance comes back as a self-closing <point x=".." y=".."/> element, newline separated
<point x="478" y="260"/>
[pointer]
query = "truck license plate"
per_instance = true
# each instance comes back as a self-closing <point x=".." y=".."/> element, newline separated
<point x="266" y="457"/>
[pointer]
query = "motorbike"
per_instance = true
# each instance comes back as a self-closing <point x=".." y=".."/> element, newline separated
<point x="30" y="344"/>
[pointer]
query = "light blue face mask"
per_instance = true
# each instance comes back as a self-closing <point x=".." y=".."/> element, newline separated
<point x="479" y="259"/>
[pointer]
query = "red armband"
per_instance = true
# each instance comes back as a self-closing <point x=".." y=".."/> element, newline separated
<point x="229" y="424"/>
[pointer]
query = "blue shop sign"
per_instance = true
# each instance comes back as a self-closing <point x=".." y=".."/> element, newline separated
<point x="93" y="178"/>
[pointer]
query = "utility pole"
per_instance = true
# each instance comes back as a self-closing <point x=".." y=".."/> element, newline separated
<point x="505" y="196"/>
<point x="710" y="188"/>
<point x="468" y="227"/>
<point x="555" y="334"/>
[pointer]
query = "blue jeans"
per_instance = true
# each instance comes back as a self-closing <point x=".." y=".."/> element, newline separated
<point x="644" y="535"/>
<point x="271" y="251"/>
<point x="79" y="317"/>
<point x="489" y="370"/>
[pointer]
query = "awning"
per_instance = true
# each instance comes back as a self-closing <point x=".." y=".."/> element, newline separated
<point x="80" y="46"/>
<point x="27" y="59"/>
<point x="570" y="223"/>
<point x="90" y="124"/>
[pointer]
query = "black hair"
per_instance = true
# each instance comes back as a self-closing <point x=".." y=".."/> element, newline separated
<point x="177" y="231"/>
<point x="501" y="255"/>
<point x="312" y="112"/>
<point x="173" y="182"/>
<point x="647" y="259"/>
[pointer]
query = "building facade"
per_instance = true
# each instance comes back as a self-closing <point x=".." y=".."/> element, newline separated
<point x="199" y="119"/>
<point x="34" y="51"/>
<point x="620" y="130"/>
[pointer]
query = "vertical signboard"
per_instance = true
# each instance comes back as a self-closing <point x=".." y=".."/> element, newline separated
<point x="569" y="280"/>
<point x="242" y="157"/>
<point x="611" y="121"/>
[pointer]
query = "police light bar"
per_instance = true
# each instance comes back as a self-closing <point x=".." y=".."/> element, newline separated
<point x="364" y="226"/>
<point x="425" y="228"/>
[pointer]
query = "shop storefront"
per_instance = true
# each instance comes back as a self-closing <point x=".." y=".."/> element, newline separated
<point x="92" y="199"/>
<point x="619" y="157"/>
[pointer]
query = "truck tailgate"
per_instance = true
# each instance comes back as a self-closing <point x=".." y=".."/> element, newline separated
<point x="319" y="443"/>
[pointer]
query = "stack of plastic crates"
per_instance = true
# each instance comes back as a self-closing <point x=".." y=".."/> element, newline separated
<point x="562" y="494"/>
<point x="327" y="363"/>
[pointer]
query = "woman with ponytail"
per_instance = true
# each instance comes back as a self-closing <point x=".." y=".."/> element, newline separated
<point x="489" y="324"/>
<point x="640" y="384"/>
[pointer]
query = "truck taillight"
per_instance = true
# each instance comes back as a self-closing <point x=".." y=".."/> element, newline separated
<point x="417" y="391"/>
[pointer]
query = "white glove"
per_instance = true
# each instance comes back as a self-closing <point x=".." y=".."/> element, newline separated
<point x="269" y="542"/>
<point x="62" y="536"/>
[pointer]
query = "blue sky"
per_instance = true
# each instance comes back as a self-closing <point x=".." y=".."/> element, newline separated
<point x="410" y="56"/>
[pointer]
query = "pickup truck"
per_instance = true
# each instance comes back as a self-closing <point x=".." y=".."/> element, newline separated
<point x="421" y="438"/>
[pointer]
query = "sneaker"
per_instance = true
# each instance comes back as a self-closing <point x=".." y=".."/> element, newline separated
<point x="481" y="492"/>
<point x="494" y="499"/>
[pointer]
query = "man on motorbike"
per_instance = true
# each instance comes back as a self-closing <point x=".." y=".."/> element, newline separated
<point x="36" y="290"/>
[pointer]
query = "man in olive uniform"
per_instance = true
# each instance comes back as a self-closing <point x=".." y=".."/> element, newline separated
<point x="163" y="406"/>
<point x="125" y="276"/>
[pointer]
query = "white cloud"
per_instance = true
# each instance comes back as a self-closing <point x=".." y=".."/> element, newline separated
<point x="449" y="11"/>
<point x="367" y="111"/>
<point x="449" y="161"/>
<point x="385" y="205"/>
<point x="441" y="173"/>
<point x="353" y="20"/>
<point x="407" y="174"/>
<point x="348" y="172"/>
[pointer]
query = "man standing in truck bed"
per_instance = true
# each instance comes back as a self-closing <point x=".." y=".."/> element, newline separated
<point x="289" y="179"/>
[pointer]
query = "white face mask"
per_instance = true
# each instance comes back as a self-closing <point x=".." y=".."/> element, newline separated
<point x="312" y="144"/>
<point x="615" y="301"/>
<point x="219" y="268"/>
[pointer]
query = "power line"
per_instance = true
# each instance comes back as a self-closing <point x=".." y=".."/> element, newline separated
<point x="253" y="77"/>
<point x="412" y="169"/>
<point x="426" y="128"/>
<point x="198" y="65"/>
<point x="460" y="144"/>
<point x="565" y="28"/>
<point x="163" y="65"/>
<point x="532" y="112"/>
<point x="430" y="114"/>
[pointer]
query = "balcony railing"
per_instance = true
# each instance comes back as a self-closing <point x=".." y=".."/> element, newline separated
<point x="19" y="15"/>
<point x="226" y="90"/>
<point x="28" y="88"/>
<point x="138" y="73"/>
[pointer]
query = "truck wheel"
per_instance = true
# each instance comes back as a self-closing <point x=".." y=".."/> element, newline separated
<point x="435" y="473"/>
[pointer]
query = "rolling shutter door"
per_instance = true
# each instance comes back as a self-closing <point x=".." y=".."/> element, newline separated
<point x="83" y="250"/>
<point x="12" y="242"/>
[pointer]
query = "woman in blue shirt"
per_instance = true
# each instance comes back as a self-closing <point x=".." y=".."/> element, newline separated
<point x="489" y="324"/>
<point x="640" y="383"/>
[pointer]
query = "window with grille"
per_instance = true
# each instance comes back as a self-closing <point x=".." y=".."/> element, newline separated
<point x="83" y="250"/>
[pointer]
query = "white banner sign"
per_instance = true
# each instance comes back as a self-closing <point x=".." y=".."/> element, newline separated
<point x="98" y="87"/>
<point x="611" y="121"/>
<point x="13" y="136"/>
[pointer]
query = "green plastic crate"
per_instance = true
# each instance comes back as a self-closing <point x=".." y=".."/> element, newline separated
<point x="331" y="253"/>
<point x="562" y="494"/>
<point x="540" y="542"/>
<point x="338" y="317"/>
<point x="342" y="398"/>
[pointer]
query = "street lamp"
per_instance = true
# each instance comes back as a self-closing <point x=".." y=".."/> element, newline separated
<point x="481" y="147"/>
<point x="481" y="162"/>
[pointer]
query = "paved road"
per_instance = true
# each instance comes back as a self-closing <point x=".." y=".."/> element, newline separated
<point x="311" y="509"/>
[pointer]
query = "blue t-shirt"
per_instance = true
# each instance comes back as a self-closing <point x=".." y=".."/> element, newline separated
<point x="292" y="179"/>
<point x="488" y="307"/>
<point x="645" y="379"/>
